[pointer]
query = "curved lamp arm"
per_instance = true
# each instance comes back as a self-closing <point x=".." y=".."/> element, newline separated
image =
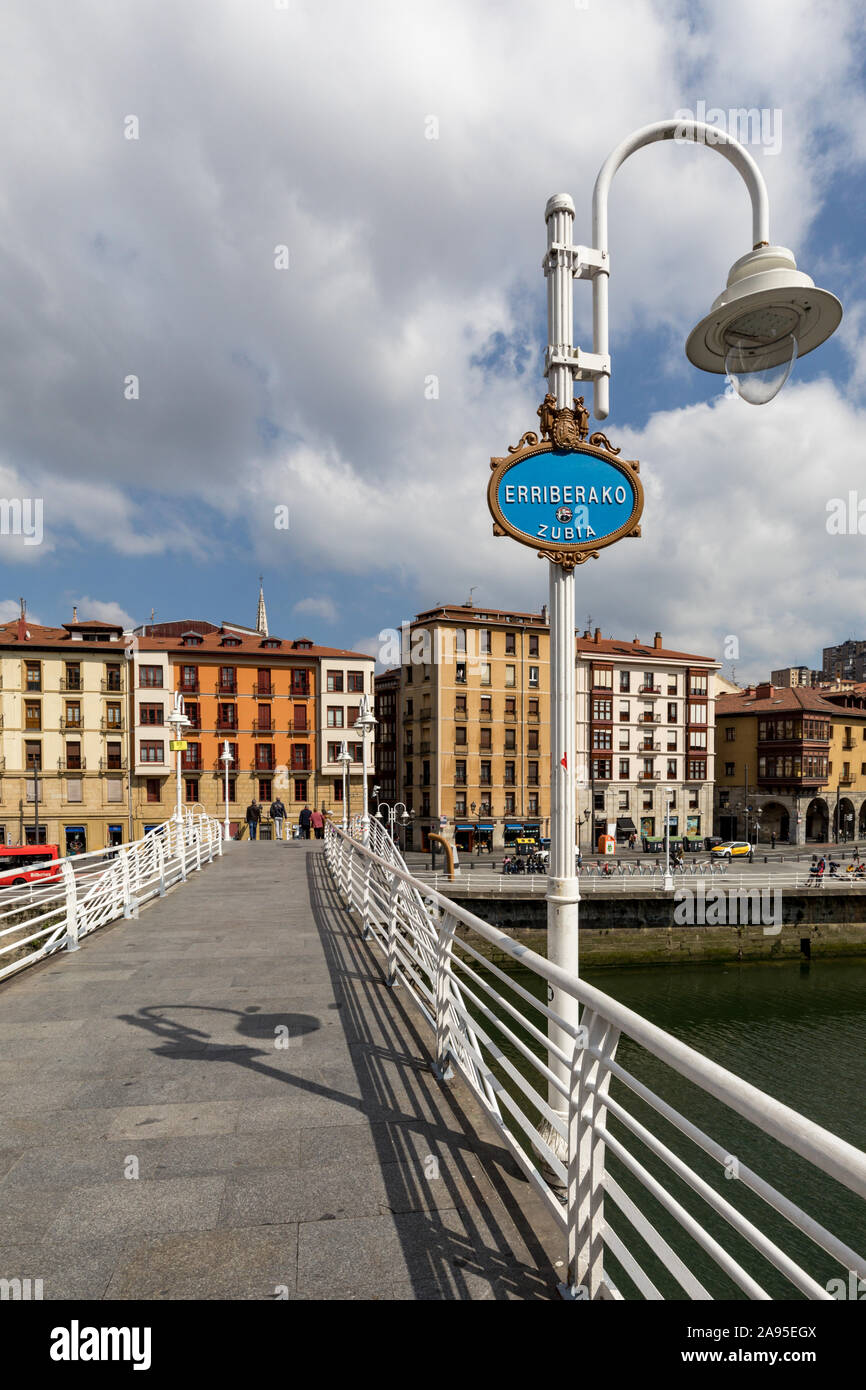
<point x="702" y="134"/>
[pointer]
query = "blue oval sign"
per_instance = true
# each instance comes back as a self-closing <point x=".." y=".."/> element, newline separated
<point x="569" y="501"/>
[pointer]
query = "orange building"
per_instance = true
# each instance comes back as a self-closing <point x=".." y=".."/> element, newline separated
<point x="262" y="695"/>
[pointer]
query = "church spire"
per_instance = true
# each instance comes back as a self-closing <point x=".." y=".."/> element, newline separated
<point x="262" y="616"/>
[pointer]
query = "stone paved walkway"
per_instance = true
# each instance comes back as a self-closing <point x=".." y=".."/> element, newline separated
<point x="336" y="1167"/>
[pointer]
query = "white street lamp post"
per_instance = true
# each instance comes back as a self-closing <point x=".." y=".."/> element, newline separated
<point x="389" y="814"/>
<point x="226" y="759"/>
<point x="345" y="758"/>
<point x="767" y="314"/>
<point x="364" y="725"/>
<point x="668" y="883"/>
<point x="178" y="722"/>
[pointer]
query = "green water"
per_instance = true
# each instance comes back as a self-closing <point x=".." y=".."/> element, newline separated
<point x="795" y="1031"/>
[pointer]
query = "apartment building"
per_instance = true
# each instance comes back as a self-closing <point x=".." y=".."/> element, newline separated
<point x="645" y="737"/>
<point x="344" y="678"/>
<point x="474" y="700"/>
<point x="65" y="735"/>
<point x="792" y="763"/>
<point x="387" y="712"/>
<point x="282" y="706"/>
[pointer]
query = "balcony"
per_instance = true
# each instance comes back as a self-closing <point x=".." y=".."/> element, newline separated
<point x="460" y="779"/>
<point x="300" y="692"/>
<point x="649" y="690"/>
<point x="408" y="750"/>
<point x="190" y="762"/>
<point x="649" y="747"/>
<point x="649" y="719"/>
<point x="111" y="726"/>
<point x="532" y="781"/>
<point x="71" y="764"/>
<point x="260" y="765"/>
<point x="264" y="729"/>
<point x="296" y="765"/>
<point x="533" y="718"/>
<point x="460" y="712"/>
<point x="111" y="685"/>
<point x="75" y="723"/>
<point x="304" y="728"/>
<point x="263" y="692"/>
<point x="649" y="777"/>
<point x="71" y="685"/>
<point x="227" y="723"/>
<point x="189" y="687"/>
<point x="230" y="688"/>
<point x="112" y="764"/>
<point x="848" y="744"/>
<point x="846" y="779"/>
<point x="510" y="717"/>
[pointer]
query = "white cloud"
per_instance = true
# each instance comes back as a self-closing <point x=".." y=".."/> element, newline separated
<point x="323" y="608"/>
<point x="104" y="611"/>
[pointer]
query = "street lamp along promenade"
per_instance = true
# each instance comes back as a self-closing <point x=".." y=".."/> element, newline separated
<point x="364" y="725"/>
<point x="768" y="313"/>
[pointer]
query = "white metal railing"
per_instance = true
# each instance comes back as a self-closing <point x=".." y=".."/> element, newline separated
<point x="564" y="1133"/>
<point x="89" y="890"/>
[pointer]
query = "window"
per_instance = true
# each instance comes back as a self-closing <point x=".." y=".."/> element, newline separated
<point x="460" y="735"/>
<point x="32" y="754"/>
<point x="460" y="772"/>
<point x="265" y="757"/>
<point x="731" y="733"/>
<point x="73" y="756"/>
<point x="459" y="673"/>
<point x="533" y="644"/>
<point x="487" y="738"/>
<point x="484" y="642"/>
<point x="509" y="803"/>
<point x="510" y="644"/>
<point x="338" y="789"/>
<point x="33" y="714"/>
<point x="334" y="681"/>
<point x="533" y="709"/>
<point x="460" y="804"/>
<point x="357" y="752"/>
<point x="300" y="682"/>
<point x="191" y="788"/>
<point x="510" y="676"/>
<point x="113" y="677"/>
<point x="228" y="679"/>
<point x="486" y="706"/>
<point x="113" y="717"/>
<point x="460" y="641"/>
<point x="151" y="752"/>
<point x="510" y="707"/>
<point x="697" y="714"/>
<point x="532" y="773"/>
<point x="114" y="755"/>
<point x="154" y="789"/>
<point x="510" y="738"/>
<point x="672" y="768"/>
<point x="697" y="770"/>
<point x="265" y="789"/>
<point x="73" y="675"/>
<point x="697" y="685"/>
<point x="263" y="718"/>
<point x="485" y="778"/>
<point x="300" y="789"/>
<point x="300" y="757"/>
<point x="601" y="769"/>
<point x="356" y="682"/>
<point x="33" y="675"/>
<point x="485" y="672"/>
<point x="533" y="676"/>
<point x="532" y="740"/>
<point x="624" y="769"/>
<point x="73" y="714"/>
<point x="509" y="774"/>
<point x="151" y="714"/>
<point x="425" y="773"/>
<point x="729" y="769"/>
<point x="602" y="677"/>
<point x="602" y="738"/>
<point x="335" y="717"/>
<point x="598" y="801"/>
<point x="624" y="711"/>
<point x="672" y="713"/>
<point x="152" y="676"/>
<point x="263" y="682"/>
<point x="602" y="708"/>
<point x="189" y="678"/>
<point x="697" y="738"/>
<point x="623" y="801"/>
<point x="410" y="773"/>
<point x="625" y="681"/>
<point x="532" y="804"/>
<point x="233" y="785"/>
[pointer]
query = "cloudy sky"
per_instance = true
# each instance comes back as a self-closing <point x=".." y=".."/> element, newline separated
<point x="158" y="156"/>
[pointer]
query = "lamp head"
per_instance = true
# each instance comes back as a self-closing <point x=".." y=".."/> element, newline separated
<point x="769" y="314"/>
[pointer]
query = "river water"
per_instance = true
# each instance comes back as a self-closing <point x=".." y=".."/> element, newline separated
<point x="796" y="1031"/>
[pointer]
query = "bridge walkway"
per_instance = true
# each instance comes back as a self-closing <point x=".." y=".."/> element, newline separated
<point x="158" y="1140"/>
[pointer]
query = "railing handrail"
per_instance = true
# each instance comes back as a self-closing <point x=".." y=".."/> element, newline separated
<point x="811" y="1141"/>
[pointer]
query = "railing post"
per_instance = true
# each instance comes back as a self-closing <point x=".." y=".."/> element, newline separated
<point x="365" y="911"/>
<point x="587" y="1110"/>
<point x="196" y="835"/>
<point x="219" y="840"/>
<point x="71" y="888"/>
<point x="130" y="904"/>
<point x="445" y="936"/>
<point x="160" y="860"/>
<point x="391" y="973"/>
<point x="181" y="852"/>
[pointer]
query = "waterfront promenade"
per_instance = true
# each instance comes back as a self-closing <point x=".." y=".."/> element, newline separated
<point x="223" y="1100"/>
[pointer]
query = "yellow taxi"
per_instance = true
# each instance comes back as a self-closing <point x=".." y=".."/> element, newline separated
<point x="731" y="848"/>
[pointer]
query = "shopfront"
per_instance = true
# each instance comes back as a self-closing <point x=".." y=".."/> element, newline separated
<point x="484" y="838"/>
<point x="75" y="837"/>
<point x="625" y="828"/>
<point x="464" y="837"/>
<point x="513" y="829"/>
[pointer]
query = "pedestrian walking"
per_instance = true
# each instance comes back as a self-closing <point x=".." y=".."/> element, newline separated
<point x="253" y="816"/>
<point x="773" y="840"/>
<point x="317" y="821"/>
<point x="278" y="815"/>
<point x="304" y="820"/>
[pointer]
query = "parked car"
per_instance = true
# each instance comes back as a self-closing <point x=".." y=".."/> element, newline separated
<point x="731" y="848"/>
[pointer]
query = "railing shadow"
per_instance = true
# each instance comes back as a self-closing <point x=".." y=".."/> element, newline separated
<point x="393" y="1066"/>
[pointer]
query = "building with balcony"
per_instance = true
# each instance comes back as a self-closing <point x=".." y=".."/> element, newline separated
<point x="791" y="761"/>
<point x="387" y="712"/>
<point x="473" y="725"/>
<point x="267" y="697"/>
<point x="644" y="728"/>
<point x="64" y="734"/>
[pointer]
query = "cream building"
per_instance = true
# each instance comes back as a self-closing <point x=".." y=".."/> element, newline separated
<point x="65" y="735"/>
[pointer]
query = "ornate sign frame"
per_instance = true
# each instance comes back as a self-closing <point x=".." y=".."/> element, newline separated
<point x="566" y="431"/>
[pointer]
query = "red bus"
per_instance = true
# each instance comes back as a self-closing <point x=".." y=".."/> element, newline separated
<point x="28" y="863"/>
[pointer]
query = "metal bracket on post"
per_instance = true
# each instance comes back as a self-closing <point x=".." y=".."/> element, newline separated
<point x="71" y="889"/>
<point x="442" y="1069"/>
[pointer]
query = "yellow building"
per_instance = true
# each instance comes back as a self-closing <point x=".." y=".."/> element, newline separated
<point x="65" y="732"/>
<point x="791" y="763"/>
<point x="475" y="754"/>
